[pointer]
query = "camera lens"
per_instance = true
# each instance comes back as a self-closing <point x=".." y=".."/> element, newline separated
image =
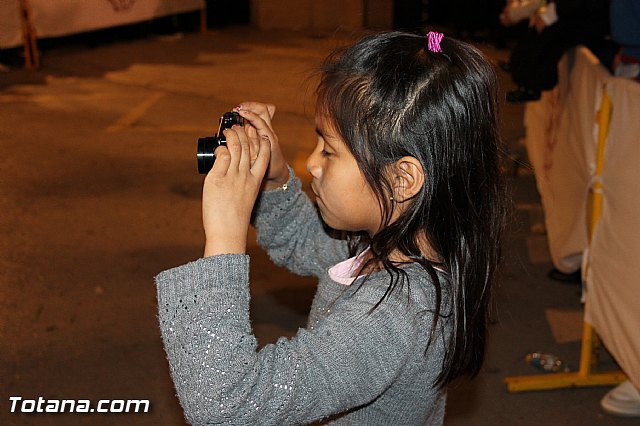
<point x="206" y="147"/>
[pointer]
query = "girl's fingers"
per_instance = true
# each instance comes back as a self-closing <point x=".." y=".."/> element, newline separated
<point x="221" y="164"/>
<point x="245" y="148"/>
<point x="241" y="148"/>
<point x="266" y="111"/>
<point x="251" y="131"/>
<point x="260" y="165"/>
<point x="234" y="148"/>
<point x="271" y="109"/>
<point x="254" y="140"/>
<point x="254" y="148"/>
<point x="262" y="127"/>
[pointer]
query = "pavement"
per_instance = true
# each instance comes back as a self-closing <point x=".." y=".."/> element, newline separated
<point x="99" y="192"/>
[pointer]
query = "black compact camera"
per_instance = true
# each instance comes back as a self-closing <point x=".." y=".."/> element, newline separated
<point x="208" y="144"/>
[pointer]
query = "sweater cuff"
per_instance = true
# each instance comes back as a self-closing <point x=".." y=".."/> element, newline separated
<point x="292" y="185"/>
<point x="278" y="198"/>
<point x="225" y="273"/>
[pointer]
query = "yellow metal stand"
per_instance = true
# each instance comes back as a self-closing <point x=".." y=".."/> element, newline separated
<point x="590" y="342"/>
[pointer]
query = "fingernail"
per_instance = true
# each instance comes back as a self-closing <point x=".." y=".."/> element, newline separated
<point x="238" y="108"/>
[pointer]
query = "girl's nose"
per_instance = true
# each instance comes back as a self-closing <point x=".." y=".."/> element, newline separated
<point x="313" y="165"/>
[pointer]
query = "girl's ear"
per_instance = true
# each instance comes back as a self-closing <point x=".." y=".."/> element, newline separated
<point x="408" y="179"/>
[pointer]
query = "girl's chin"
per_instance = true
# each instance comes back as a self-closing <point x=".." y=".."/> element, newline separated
<point x="321" y="208"/>
<point x="330" y="220"/>
<point x="323" y="212"/>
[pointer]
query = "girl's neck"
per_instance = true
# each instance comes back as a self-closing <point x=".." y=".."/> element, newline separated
<point x="398" y="258"/>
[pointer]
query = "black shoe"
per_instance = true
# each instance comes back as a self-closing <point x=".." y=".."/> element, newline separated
<point x="523" y="95"/>
<point x="572" y="278"/>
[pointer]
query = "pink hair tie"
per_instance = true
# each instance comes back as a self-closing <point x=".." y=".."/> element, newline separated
<point x="434" y="41"/>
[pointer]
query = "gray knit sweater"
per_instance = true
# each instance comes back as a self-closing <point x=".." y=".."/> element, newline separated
<point x="349" y="366"/>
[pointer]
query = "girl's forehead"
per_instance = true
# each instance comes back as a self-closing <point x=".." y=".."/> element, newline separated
<point x="323" y="121"/>
<point x="323" y="111"/>
<point x="327" y="129"/>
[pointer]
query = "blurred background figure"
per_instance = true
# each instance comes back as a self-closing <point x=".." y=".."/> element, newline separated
<point x="625" y="30"/>
<point x="514" y="21"/>
<point x="515" y="11"/>
<point x="555" y="27"/>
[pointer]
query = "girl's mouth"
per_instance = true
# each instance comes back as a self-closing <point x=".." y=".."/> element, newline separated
<point x="318" y="198"/>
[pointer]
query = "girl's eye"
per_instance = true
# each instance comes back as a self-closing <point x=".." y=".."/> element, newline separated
<point x="325" y="153"/>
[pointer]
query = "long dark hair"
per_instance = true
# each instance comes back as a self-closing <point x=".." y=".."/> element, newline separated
<point x="389" y="96"/>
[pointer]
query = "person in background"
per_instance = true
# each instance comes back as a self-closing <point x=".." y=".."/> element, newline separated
<point x="516" y="11"/>
<point x="625" y="30"/>
<point x="514" y="19"/>
<point x="555" y="27"/>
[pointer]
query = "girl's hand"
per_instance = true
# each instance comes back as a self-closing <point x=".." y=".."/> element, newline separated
<point x="230" y="191"/>
<point x="259" y="116"/>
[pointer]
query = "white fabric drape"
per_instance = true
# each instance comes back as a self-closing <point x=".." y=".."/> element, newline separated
<point x="613" y="278"/>
<point x="561" y="144"/>
<point x="561" y="138"/>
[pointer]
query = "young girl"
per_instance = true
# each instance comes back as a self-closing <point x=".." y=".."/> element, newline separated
<point x="406" y="164"/>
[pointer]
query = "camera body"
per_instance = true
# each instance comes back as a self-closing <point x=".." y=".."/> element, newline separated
<point x="208" y="144"/>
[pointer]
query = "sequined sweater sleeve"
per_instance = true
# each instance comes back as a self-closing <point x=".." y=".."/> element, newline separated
<point x="348" y="362"/>
<point x="290" y="229"/>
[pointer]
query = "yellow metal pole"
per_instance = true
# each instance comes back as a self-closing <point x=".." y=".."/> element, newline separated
<point x="604" y="118"/>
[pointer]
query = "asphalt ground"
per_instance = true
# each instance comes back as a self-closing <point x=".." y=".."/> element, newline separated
<point x="99" y="192"/>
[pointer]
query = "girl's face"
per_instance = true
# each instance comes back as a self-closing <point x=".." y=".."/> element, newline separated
<point x="345" y="199"/>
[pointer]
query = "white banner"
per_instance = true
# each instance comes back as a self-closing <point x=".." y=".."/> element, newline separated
<point x="53" y="18"/>
<point x="10" y="24"/>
